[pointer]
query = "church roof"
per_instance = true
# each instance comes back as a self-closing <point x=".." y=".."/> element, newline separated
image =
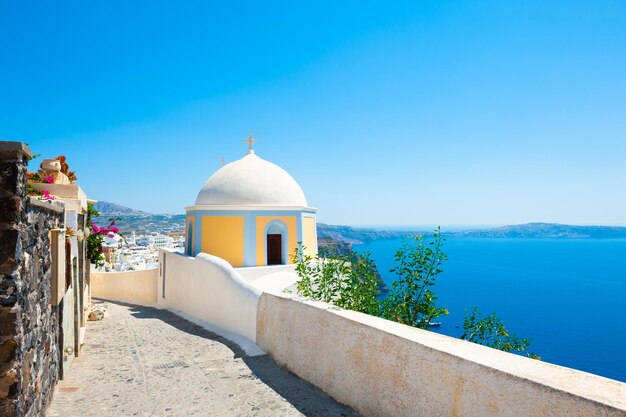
<point x="251" y="181"/>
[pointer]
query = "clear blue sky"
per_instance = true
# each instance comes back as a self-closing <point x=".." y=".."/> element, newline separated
<point x="387" y="113"/>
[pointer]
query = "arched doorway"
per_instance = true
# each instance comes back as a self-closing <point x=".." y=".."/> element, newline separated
<point x="276" y="243"/>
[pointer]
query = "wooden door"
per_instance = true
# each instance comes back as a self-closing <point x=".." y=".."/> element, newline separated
<point x="274" y="250"/>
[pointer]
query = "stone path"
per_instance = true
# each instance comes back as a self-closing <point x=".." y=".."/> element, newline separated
<point x="142" y="361"/>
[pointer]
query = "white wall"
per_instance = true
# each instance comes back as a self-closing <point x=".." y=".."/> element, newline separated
<point x="252" y="273"/>
<point x="270" y="278"/>
<point x="135" y="287"/>
<point x="208" y="289"/>
<point x="382" y="368"/>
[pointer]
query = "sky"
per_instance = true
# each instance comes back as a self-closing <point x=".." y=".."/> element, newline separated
<point x="386" y="113"/>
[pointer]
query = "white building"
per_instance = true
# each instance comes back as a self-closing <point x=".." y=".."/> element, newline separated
<point x="155" y="241"/>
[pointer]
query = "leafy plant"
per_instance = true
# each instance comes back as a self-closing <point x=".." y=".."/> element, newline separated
<point x="347" y="282"/>
<point x="490" y="331"/>
<point x="351" y="282"/>
<point x="33" y="177"/>
<point x="30" y="190"/>
<point x="35" y="155"/>
<point x="411" y="300"/>
<point x="94" y="240"/>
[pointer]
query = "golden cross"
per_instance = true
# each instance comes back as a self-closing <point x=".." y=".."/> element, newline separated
<point x="250" y="141"/>
<point x="223" y="161"/>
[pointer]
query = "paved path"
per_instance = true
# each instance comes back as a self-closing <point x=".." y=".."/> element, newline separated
<point x="141" y="361"/>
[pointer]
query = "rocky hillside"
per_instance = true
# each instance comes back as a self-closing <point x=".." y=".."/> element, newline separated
<point x="356" y="235"/>
<point x="113" y="210"/>
<point x="336" y="248"/>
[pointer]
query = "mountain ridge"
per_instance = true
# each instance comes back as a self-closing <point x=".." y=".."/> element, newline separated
<point x="144" y="222"/>
<point x="111" y="209"/>
<point x="547" y="230"/>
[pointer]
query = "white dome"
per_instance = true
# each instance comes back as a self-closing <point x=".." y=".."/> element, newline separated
<point x="251" y="181"/>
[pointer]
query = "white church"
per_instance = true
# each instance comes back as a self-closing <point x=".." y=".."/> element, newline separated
<point x="250" y="213"/>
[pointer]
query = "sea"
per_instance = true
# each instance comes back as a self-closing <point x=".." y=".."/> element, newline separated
<point x="567" y="295"/>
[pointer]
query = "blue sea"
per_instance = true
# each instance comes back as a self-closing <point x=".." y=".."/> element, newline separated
<point x="567" y="295"/>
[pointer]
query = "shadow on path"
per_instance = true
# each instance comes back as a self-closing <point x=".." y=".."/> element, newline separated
<point x="305" y="397"/>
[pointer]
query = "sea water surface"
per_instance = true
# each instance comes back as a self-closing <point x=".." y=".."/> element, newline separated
<point x="567" y="295"/>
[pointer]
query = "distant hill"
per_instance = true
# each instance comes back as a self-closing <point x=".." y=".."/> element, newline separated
<point x="143" y="222"/>
<point x="137" y="220"/>
<point x="546" y="230"/>
<point x="111" y="209"/>
<point x="356" y="235"/>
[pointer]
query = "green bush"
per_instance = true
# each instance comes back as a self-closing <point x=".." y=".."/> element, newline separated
<point x="94" y="240"/>
<point x="351" y="282"/>
<point x="347" y="282"/>
<point x="490" y="331"/>
<point x="411" y="300"/>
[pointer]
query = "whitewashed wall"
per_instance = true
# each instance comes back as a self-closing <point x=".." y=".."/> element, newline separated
<point x="253" y="273"/>
<point x="208" y="289"/>
<point x="135" y="287"/>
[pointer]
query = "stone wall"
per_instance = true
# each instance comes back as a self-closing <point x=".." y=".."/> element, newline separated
<point x="30" y="356"/>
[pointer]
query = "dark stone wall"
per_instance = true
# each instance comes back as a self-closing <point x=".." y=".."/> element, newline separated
<point x="30" y="355"/>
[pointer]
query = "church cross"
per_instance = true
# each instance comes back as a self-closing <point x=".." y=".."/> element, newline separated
<point x="223" y="161"/>
<point x="250" y="141"/>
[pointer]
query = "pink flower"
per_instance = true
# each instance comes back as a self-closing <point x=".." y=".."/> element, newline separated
<point x="111" y="235"/>
<point x="114" y="229"/>
<point x="95" y="229"/>
<point x="49" y="179"/>
<point x="45" y="194"/>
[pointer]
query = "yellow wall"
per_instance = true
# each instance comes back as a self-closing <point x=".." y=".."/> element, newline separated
<point x="222" y="236"/>
<point x="292" y="242"/>
<point x="309" y="236"/>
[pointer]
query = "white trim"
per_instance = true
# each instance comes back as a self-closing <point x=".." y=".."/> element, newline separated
<point x="252" y="208"/>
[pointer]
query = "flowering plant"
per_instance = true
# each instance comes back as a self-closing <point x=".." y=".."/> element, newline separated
<point x="110" y="231"/>
<point x="96" y="237"/>
<point x="46" y="196"/>
<point x="49" y="179"/>
<point x="42" y="195"/>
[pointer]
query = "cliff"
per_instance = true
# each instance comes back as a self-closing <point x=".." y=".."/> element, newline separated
<point x="328" y="247"/>
<point x="356" y="235"/>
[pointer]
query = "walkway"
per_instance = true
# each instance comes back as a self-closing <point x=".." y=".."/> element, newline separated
<point x="141" y="361"/>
